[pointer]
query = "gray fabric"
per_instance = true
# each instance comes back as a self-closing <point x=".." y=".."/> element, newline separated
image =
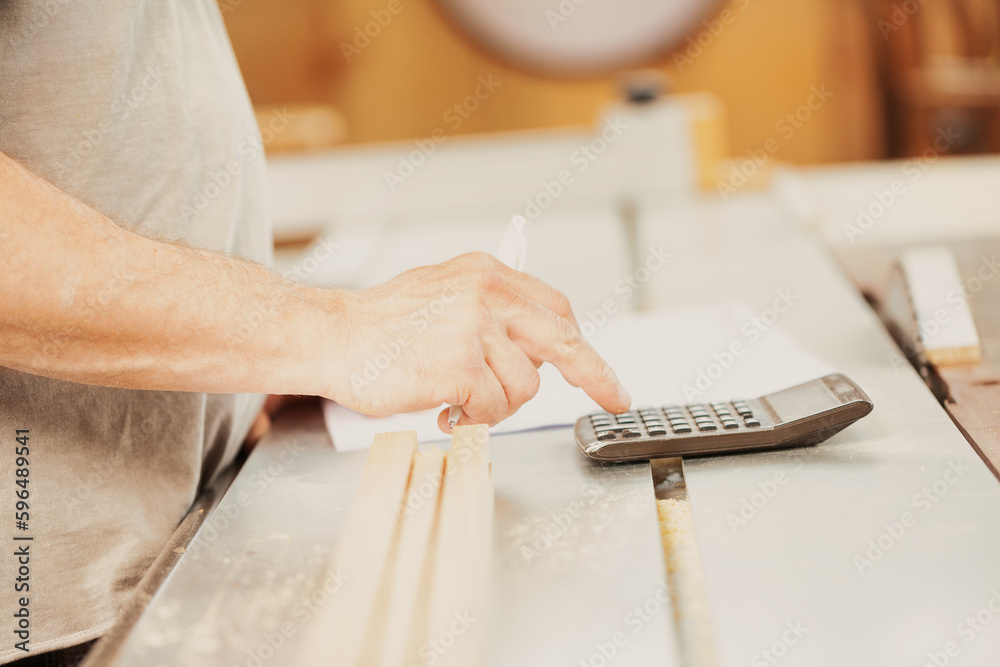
<point x="137" y="108"/>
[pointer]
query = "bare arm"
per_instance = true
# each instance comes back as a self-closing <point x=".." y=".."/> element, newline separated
<point x="90" y="302"/>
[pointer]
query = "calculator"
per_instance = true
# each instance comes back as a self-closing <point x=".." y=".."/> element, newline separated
<point x="805" y="414"/>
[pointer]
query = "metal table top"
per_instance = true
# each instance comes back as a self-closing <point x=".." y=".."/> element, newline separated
<point x="578" y="567"/>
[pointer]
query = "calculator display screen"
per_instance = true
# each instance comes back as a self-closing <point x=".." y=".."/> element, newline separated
<point x="802" y="401"/>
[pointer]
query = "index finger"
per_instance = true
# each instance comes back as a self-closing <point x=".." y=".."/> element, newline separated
<point x="545" y="336"/>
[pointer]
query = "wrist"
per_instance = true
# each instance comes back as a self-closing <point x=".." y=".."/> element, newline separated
<point x="322" y="357"/>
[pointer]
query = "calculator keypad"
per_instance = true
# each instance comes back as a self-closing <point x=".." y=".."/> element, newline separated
<point x="674" y="419"/>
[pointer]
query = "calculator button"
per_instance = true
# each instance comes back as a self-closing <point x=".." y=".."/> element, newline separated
<point x="600" y="420"/>
<point x="682" y="428"/>
<point x="729" y="424"/>
<point x="751" y="422"/>
<point x="630" y="433"/>
<point x="707" y="427"/>
<point x="609" y="427"/>
<point x="659" y="430"/>
<point x="607" y="435"/>
<point x="654" y="424"/>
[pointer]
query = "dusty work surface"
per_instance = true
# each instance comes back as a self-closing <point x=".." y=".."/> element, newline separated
<point x="876" y="547"/>
<point x="577" y="551"/>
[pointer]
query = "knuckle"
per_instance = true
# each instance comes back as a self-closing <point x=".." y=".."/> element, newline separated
<point x="604" y="373"/>
<point x="480" y="258"/>
<point x="561" y="302"/>
<point x="490" y="283"/>
<point x="531" y="387"/>
<point x="571" y="342"/>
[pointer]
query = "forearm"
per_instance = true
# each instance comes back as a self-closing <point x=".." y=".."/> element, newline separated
<point x="90" y="302"/>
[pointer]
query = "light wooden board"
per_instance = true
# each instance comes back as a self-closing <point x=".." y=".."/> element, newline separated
<point x="460" y="581"/>
<point x="943" y="320"/>
<point x="402" y="612"/>
<point x="362" y="553"/>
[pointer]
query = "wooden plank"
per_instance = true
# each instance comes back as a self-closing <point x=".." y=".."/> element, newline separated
<point x="402" y="609"/>
<point x="943" y="321"/>
<point x="970" y="393"/>
<point x="362" y="553"/>
<point x="459" y="597"/>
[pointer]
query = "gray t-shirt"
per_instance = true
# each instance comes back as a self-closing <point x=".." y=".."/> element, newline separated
<point x="136" y="107"/>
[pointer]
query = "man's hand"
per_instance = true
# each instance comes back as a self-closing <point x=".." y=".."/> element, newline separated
<point x="123" y="310"/>
<point x="467" y="332"/>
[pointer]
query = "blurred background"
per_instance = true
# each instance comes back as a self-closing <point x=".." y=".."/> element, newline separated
<point x="897" y="72"/>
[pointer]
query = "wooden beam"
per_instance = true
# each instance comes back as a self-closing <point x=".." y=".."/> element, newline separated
<point x="362" y="554"/>
<point x="461" y="578"/>
<point x="940" y="319"/>
<point x="401" y="612"/>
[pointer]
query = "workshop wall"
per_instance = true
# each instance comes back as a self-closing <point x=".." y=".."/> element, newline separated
<point x="764" y="64"/>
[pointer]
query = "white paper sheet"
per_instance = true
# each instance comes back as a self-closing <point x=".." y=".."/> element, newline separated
<point x="677" y="357"/>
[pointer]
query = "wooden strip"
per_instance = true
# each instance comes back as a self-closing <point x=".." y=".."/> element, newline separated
<point x="362" y="553"/>
<point x="944" y="322"/>
<point x="403" y="602"/>
<point x="460" y="583"/>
